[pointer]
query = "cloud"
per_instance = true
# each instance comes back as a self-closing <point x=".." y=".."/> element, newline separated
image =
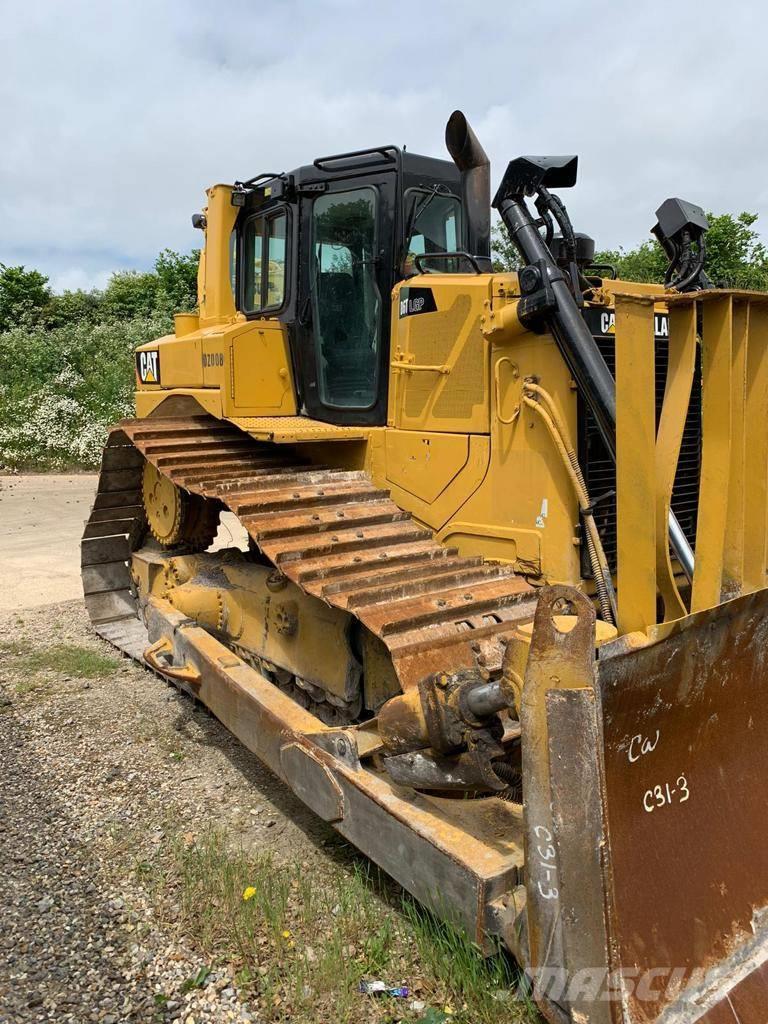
<point x="116" y="116"/>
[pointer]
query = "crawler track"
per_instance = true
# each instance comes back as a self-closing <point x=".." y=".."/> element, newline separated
<point x="330" y="531"/>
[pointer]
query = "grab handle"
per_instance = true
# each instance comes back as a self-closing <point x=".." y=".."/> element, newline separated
<point x="497" y="383"/>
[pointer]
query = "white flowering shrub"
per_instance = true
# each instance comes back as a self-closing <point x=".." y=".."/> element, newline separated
<point x="61" y="389"/>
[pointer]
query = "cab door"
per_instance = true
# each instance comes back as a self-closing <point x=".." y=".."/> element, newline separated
<point x="347" y="274"/>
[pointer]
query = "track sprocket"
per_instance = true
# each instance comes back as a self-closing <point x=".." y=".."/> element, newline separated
<point x="174" y="516"/>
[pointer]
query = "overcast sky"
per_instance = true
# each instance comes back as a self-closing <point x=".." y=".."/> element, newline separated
<point x="116" y="115"/>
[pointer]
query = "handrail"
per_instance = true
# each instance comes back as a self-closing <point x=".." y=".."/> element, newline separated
<point x="506" y="420"/>
<point x="446" y="256"/>
<point x="388" y="152"/>
<point x="399" y="364"/>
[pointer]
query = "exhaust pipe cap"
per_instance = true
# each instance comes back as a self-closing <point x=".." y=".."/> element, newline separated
<point x="475" y="167"/>
<point x="462" y="143"/>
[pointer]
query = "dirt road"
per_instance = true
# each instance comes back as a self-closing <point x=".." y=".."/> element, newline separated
<point x="41" y="521"/>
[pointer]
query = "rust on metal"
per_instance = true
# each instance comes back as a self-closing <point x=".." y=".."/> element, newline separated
<point x="686" y="810"/>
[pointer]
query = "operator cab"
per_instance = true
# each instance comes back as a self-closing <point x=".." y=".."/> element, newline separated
<point x="321" y="249"/>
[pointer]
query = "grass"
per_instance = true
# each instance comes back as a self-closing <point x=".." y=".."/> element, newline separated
<point x="300" y="949"/>
<point x="68" y="660"/>
<point x="306" y="934"/>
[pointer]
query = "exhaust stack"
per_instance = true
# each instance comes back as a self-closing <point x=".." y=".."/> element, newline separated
<point x="472" y="160"/>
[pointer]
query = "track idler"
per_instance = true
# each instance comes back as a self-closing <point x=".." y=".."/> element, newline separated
<point x="448" y="733"/>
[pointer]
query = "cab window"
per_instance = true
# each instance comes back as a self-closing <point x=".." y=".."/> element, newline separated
<point x="437" y="225"/>
<point x="265" y="262"/>
<point x="345" y="297"/>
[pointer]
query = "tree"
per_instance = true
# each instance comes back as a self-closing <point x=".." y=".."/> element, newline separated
<point x="24" y="295"/>
<point x="177" y="279"/>
<point x="646" y="263"/>
<point x="130" y="294"/>
<point x="74" y="307"/>
<point x="503" y="253"/>
<point x="736" y="257"/>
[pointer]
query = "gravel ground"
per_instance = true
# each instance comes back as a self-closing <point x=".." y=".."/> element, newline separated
<point x="98" y="774"/>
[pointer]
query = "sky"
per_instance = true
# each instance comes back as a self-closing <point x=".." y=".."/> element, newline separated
<point x="117" y="115"/>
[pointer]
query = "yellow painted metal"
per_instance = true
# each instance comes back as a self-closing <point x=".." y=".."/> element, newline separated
<point x="162" y="504"/>
<point x="158" y="655"/>
<point x="180" y="361"/>
<point x="733" y="555"/>
<point x="433" y="507"/>
<point x="290" y="429"/>
<point x="409" y="365"/>
<point x="196" y="401"/>
<point x="260" y="370"/>
<point x="214" y="281"/>
<point x="682" y="360"/>
<point x="500" y="321"/>
<point x="439" y="374"/>
<point x="241" y="368"/>
<point x="516" y="545"/>
<point x="185" y="323"/>
<point x="260" y="612"/>
<point x="756" y="450"/>
<point x="525" y="510"/>
<point x="424" y="464"/>
<point x="505" y="367"/>
<point x="716" y="369"/>
<point x="611" y="287"/>
<point x="635" y="462"/>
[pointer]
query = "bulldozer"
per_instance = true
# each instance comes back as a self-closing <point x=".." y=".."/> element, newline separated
<point x="497" y="607"/>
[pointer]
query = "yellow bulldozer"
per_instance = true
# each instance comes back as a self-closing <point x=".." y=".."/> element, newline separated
<point x="498" y="614"/>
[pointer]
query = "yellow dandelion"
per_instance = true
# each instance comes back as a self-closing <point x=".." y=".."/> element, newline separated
<point x="249" y="893"/>
<point x="286" y="934"/>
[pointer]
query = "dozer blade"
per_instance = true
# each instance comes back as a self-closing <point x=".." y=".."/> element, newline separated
<point x="647" y="856"/>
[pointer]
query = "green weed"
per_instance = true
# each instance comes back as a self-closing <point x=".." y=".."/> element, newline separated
<point x="300" y="947"/>
<point x="68" y="660"/>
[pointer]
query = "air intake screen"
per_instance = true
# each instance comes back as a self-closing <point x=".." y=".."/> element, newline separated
<point x="598" y="467"/>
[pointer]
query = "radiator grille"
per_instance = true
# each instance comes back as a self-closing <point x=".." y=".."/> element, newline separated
<point x="599" y="469"/>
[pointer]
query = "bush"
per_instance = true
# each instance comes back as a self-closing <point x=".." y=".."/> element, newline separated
<point x="66" y="361"/>
<point x="24" y="295"/>
<point x="61" y="388"/>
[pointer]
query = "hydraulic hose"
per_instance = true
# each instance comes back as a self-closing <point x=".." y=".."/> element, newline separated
<point x="601" y="573"/>
<point x="578" y="348"/>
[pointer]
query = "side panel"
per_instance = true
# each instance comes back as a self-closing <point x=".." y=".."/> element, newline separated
<point x="261" y="370"/>
<point x="525" y="509"/>
<point x="179" y="360"/>
<point x="440" y="371"/>
<point x="241" y="369"/>
<point x="423" y="464"/>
